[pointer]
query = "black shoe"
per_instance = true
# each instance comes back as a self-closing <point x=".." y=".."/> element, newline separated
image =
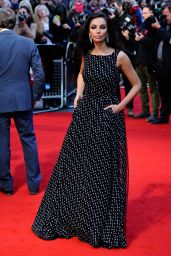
<point x="7" y="192"/>
<point x="160" y="121"/>
<point x="152" y="118"/>
<point x="130" y="113"/>
<point x="141" y="115"/>
<point x="34" y="192"/>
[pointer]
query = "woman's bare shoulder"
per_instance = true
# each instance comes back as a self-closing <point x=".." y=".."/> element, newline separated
<point x="122" y="55"/>
<point x="122" y="58"/>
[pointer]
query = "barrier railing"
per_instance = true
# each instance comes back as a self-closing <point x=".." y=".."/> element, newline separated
<point x="69" y="72"/>
<point x="58" y="65"/>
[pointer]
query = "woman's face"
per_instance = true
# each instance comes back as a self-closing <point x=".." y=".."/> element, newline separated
<point x="98" y="29"/>
<point x="41" y="12"/>
<point x="23" y="11"/>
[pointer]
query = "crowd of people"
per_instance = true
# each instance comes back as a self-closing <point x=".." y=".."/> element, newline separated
<point x="139" y="24"/>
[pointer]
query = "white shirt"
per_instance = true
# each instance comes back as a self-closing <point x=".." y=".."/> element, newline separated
<point x="4" y="29"/>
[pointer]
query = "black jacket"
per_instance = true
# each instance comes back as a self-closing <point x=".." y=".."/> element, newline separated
<point x="145" y="48"/>
<point x="163" y="66"/>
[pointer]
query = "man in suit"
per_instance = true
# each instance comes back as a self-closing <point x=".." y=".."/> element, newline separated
<point x="17" y="55"/>
<point x="163" y="66"/>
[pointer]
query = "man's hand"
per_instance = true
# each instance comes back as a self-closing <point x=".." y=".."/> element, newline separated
<point x="66" y="26"/>
<point x="125" y="33"/>
<point x="111" y="16"/>
<point x="156" y="25"/>
<point x="139" y="37"/>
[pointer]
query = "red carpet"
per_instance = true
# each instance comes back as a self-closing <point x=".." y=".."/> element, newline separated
<point x="149" y="208"/>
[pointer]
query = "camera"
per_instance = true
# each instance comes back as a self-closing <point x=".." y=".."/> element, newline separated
<point x="157" y="8"/>
<point x="22" y="17"/>
<point x="128" y="25"/>
<point x="109" y="11"/>
<point x="147" y="23"/>
<point x="81" y="18"/>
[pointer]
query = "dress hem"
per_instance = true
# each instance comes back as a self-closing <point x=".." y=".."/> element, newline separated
<point x="98" y="245"/>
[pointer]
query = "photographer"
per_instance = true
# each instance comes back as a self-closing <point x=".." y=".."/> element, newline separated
<point x="76" y="19"/>
<point x="25" y="25"/>
<point x="163" y="65"/>
<point x="145" y="38"/>
<point x="124" y="24"/>
<point x="133" y="9"/>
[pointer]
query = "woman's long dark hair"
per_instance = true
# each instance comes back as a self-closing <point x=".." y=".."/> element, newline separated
<point x="84" y="44"/>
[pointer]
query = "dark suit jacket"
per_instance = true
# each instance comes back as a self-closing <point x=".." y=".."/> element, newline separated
<point x="145" y="48"/>
<point x="17" y="55"/>
<point x="163" y="67"/>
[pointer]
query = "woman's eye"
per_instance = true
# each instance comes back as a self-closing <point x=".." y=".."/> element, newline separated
<point x="103" y="27"/>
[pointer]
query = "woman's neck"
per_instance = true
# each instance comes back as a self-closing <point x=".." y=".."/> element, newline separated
<point x="45" y="19"/>
<point x="101" y="49"/>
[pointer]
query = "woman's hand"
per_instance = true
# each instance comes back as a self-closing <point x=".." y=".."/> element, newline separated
<point x="76" y="100"/>
<point x="115" y="108"/>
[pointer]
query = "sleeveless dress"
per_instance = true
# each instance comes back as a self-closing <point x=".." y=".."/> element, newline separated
<point x="87" y="192"/>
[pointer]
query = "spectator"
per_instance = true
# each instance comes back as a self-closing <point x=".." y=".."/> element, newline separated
<point x="5" y="4"/>
<point x="15" y="5"/>
<point x="25" y="25"/>
<point x="60" y="28"/>
<point x="28" y="5"/>
<point x="43" y="35"/>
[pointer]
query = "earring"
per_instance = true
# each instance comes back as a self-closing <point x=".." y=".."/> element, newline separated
<point x="107" y="39"/>
<point x="90" y="39"/>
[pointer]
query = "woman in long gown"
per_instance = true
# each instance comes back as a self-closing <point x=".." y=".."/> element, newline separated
<point x="87" y="192"/>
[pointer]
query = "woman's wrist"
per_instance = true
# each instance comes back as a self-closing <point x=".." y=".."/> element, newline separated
<point x="79" y="95"/>
<point x="121" y="106"/>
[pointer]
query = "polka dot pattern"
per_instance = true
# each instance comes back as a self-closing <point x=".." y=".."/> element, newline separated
<point x="87" y="192"/>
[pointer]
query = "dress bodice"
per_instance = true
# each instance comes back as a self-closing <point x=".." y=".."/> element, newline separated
<point x="101" y="75"/>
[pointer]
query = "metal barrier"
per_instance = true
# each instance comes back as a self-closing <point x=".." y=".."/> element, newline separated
<point x="59" y="75"/>
<point x="69" y="72"/>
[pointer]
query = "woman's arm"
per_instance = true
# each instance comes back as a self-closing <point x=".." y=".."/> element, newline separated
<point x="33" y="29"/>
<point x="80" y="85"/>
<point x="125" y="65"/>
<point x="23" y="30"/>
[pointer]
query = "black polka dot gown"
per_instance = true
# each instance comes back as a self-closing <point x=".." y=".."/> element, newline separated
<point x="87" y="192"/>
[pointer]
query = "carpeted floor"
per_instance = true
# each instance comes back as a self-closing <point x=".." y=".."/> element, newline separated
<point x="149" y="206"/>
